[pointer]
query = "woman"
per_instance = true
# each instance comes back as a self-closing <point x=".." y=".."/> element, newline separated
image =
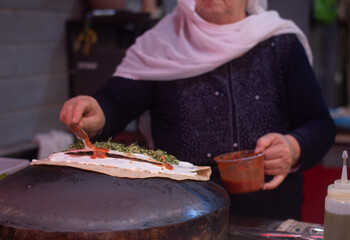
<point x="220" y="76"/>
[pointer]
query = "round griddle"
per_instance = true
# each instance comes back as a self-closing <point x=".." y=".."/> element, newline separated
<point x="50" y="202"/>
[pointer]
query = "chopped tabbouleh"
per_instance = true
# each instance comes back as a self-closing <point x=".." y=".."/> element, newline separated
<point x="158" y="155"/>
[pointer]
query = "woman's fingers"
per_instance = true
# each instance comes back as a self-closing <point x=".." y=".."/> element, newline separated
<point x="275" y="182"/>
<point x="278" y="157"/>
<point x="84" y="111"/>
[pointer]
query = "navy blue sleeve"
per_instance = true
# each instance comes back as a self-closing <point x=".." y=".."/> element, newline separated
<point x="122" y="100"/>
<point x="312" y="125"/>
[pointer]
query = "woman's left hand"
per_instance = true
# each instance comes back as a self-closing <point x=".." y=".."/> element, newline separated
<point x="281" y="153"/>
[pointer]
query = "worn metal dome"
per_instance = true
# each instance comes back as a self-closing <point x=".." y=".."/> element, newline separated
<point x="49" y="202"/>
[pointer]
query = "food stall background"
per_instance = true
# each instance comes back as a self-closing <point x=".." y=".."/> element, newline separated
<point x="36" y="74"/>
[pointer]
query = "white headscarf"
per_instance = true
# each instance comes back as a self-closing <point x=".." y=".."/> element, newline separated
<point x="184" y="45"/>
<point x="256" y="6"/>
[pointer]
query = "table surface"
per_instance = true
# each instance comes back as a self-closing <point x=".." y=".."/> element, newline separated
<point x="250" y="224"/>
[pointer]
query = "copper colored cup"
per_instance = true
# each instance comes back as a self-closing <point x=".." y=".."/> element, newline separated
<point x="242" y="171"/>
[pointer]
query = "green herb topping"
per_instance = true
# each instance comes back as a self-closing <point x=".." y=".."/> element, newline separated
<point x="159" y="155"/>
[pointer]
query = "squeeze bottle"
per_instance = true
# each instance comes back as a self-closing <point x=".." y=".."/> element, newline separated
<point x="337" y="207"/>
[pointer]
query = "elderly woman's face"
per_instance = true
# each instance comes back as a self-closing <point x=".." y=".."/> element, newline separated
<point x="221" y="11"/>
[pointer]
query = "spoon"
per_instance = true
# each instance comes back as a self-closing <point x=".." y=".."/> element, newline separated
<point x="81" y="135"/>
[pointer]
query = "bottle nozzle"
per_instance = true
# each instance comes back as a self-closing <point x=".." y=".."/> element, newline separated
<point x="344" y="175"/>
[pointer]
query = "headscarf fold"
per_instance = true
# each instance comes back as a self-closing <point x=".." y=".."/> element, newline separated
<point x="184" y="45"/>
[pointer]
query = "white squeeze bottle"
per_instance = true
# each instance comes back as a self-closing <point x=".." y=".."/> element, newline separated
<point x="337" y="207"/>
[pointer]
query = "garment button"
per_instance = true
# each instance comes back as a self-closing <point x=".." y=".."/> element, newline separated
<point x="235" y="145"/>
<point x="257" y="97"/>
<point x="217" y="93"/>
<point x="208" y="155"/>
<point x="272" y="44"/>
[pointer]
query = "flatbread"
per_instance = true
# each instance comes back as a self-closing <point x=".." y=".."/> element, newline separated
<point x="126" y="165"/>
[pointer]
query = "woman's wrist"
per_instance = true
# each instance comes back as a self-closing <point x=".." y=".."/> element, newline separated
<point x="295" y="150"/>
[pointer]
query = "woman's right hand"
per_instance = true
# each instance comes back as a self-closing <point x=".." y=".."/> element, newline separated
<point x="84" y="111"/>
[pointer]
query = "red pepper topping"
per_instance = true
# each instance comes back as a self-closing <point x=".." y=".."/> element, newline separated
<point x="168" y="166"/>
